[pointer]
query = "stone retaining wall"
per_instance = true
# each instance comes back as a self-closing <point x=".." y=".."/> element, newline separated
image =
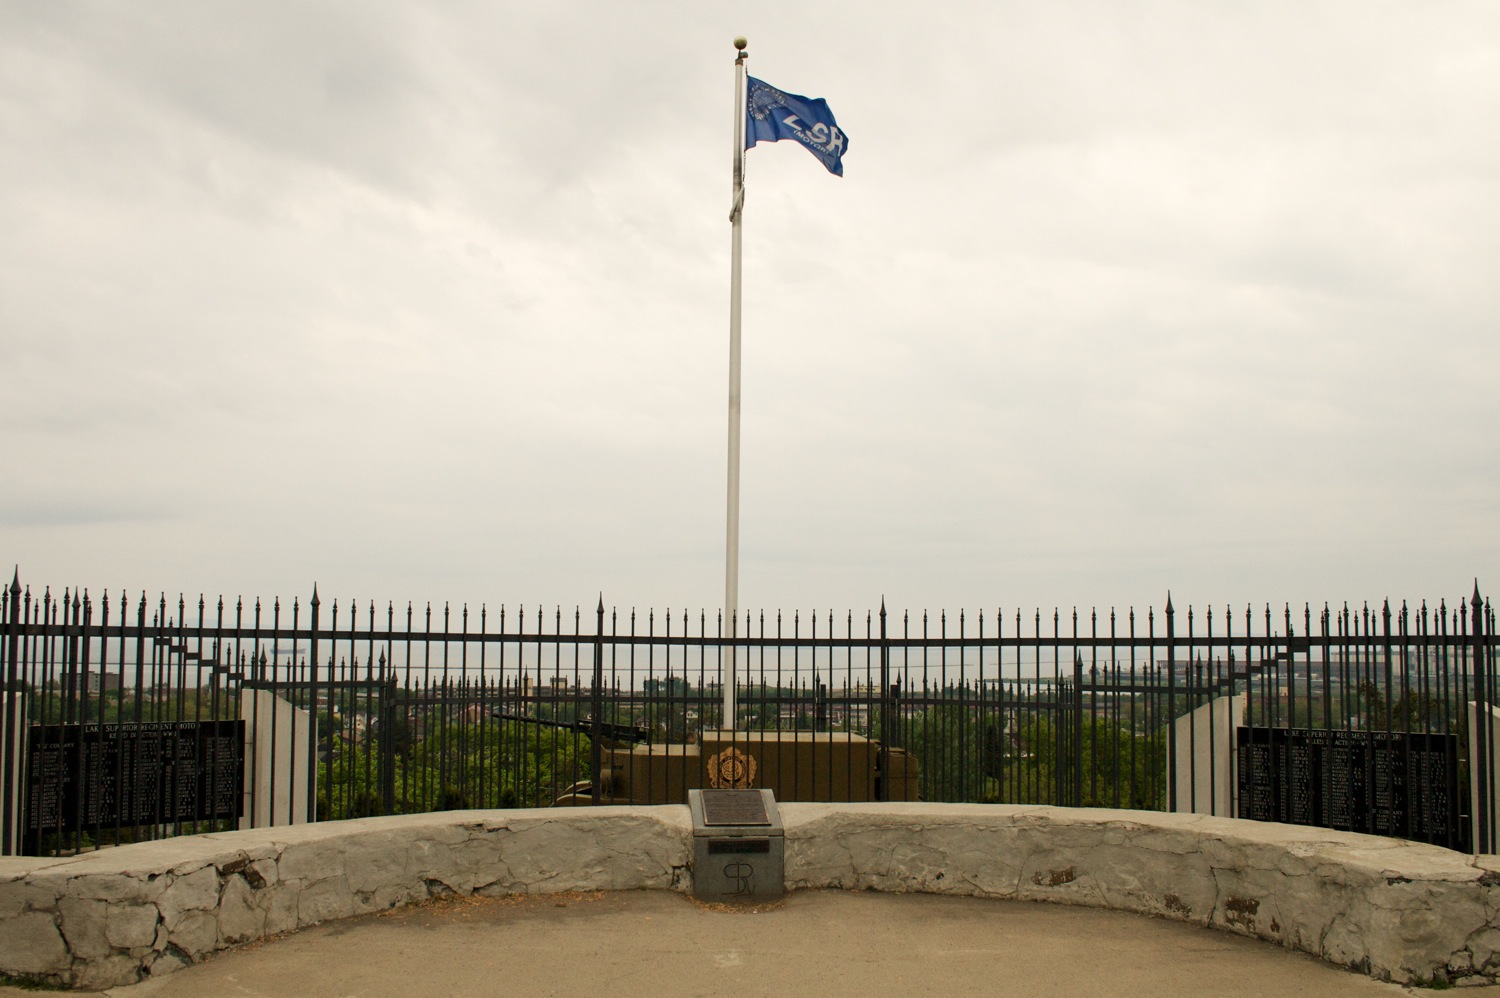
<point x="1394" y="909"/>
<point x="110" y="917"/>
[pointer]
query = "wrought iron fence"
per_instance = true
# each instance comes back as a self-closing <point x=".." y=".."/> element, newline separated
<point x="140" y="718"/>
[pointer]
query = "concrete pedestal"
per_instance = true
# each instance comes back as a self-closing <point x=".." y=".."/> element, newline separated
<point x="739" y="848"/>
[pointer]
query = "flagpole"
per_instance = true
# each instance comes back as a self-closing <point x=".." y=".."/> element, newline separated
<point x="732" y="511"/>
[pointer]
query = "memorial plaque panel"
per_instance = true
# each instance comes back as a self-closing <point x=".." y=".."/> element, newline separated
<point x="86" y="776"/>
<point x="734" y="807"/>
<point x="1386" y="783"/>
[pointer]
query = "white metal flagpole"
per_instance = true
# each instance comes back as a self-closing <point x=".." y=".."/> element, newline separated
<point x="732" y="513"/>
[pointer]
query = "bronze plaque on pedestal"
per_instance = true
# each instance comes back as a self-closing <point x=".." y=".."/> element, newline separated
<point x="734" y="807"/>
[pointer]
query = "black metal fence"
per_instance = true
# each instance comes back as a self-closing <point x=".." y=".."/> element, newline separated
<point x="125" y="718"/>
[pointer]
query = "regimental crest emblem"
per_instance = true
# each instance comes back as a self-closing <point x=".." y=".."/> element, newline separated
<point x="764" y="99"/>
<point x="731" y="769"/>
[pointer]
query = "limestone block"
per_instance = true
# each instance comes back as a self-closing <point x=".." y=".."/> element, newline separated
<point x="1145" y="877"/>
<point x="198" y="891"/>
<point x="424" y="843"/>
<point x="1344" y="941"/>
<point x="261" y="873"/>
<point x="645" y="849"/>
<point x="378" y="860"/>
<point x="241" y="919"/>
<point x="620" y="850"/>
<point x="196" y="933"/>
<point x="1053" y="881"/>
<point x="1247" y="899"/>
<point x="216" y="850"/>
<point x="104" y="885"/>
<point x="1261" y="909"/>
<point x="893" y="856"/>
<point x="254" y="843"/>
<point x="1173" y="883"/>
<point x="962" y="858"/>
<point x="478" y="861"/>
<point x="154" y="856"/>
<point x="108" y="972"/>
<point x="32" y="896"/>
<point x="323" y="901"/>
<point x="1484" y="946"/>
<point x="430" y="860"/>
<point x="12" y="898"/>
<point x="391" y="895"/>
<point x="549" y="857"/>
<point x="164" y="963"/>
<point x="129" y="926"/>
<point x="32" y="944"/>
<point x="312" y="861"/>
<point x="1406" y="940"/>
<point x="281" y="908"/>
<point x="83" y="924"/>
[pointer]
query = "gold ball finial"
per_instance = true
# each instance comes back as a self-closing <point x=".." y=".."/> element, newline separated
<point x="740" y="43"/>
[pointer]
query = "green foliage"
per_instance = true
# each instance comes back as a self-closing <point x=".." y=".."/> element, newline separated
<point x="1409" y="710"/>
<point x="30" y="982"/>
<point x="948" y="742"/>
<point x="666" y="710"/>
<point x="1026" y="758"/>
<point x="1117" y="768"/>
<point x="1364" y="705"/>
<point x="54" y="706"/>
<point x="453" y="767"/>
<point x="1431" y="983"/>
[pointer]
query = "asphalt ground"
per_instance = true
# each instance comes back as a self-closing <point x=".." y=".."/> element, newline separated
<point x="817" y="943"/>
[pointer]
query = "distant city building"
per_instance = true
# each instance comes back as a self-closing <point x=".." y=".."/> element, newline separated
<point x="107" y="682"/>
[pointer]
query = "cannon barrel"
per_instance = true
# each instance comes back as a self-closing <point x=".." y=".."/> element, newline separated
<point x="621" y="733"/>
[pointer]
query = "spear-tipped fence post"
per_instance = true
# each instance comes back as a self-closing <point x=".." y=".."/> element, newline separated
<point x="1077" y="705"/>
<point x="596" y="736"/>
<point x="10" y="724"/>
<point x="1482" y="734"/>
<point x="387" y="735"/>
<point x="312" y="706"/>
<point x="1171" y="707"/>
<point x="887" y="704"/>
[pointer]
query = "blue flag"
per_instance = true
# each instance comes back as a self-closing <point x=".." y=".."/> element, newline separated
<point x="772" y="115"/>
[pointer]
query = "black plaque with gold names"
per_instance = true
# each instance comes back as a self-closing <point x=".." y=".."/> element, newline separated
<point x="1398" y="783"/>
<point x="86" y="776"/>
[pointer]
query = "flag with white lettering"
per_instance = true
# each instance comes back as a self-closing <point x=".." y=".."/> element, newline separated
<point x="772" y="115"/>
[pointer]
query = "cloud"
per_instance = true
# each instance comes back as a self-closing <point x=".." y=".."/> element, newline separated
<point x="432" y="302"/>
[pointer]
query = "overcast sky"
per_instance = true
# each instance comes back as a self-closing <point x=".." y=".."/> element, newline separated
<point x="430" y="302"/>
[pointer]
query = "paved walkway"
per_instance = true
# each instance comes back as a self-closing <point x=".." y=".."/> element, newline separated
<point x="659" y="944"/>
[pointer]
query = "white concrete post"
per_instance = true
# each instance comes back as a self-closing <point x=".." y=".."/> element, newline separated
<point x="13" y="747"/>
<point x="1476" y="718"/>
<point x="1207" y="777"/>
<point x="276" y="770"/>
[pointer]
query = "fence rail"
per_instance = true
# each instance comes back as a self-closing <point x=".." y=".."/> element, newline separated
<point x="138" y="718"/>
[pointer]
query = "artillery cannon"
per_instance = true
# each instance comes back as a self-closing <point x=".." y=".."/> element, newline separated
<point x="611" y="733"/>
<point x="797" y="765"/>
